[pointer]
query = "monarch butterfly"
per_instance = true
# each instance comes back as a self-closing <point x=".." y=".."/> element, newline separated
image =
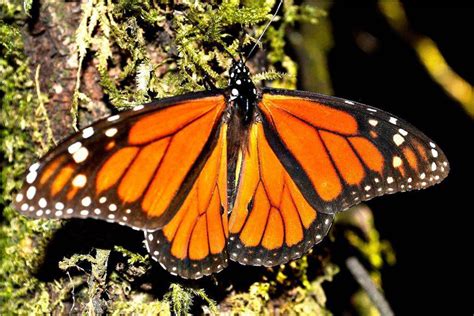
<point x="253" y="175"/>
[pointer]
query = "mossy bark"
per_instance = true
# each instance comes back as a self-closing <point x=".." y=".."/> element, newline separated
<point x="64" y="65"/>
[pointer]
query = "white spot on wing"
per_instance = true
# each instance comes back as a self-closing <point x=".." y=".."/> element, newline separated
<point x="19" y="197"/>
<point x="389" y="180"/>
<point x="397" y="161"/>
<point x="393" y="120"/>
<point x="59" y="206"/>
<point x="86" y="201"/>
<point x="79" y="181"/>
<point x="433" y="145"/>
<point x="373" y="122"/>
<point x="398" y="139"/>
<point x="112" y="207"/>
<point x="113" y="118"/>
<point x="34" y="167"/>
<point x="434" y="153"/>
<point x="88" y="132"/>
<point x="74" y="147"/>
<point x="403" y="132"/>
<point x="80" y="155"/>
<point x="31" y="192"/>
<point x="349" y="102"/>
<point x="433" y="166"/>
<point x="42" y="203"/>
<point x="111" y="132"/>
<point x="84" y="212"/>
<point x="138" y="107"/>
<point x="371" y="110"/>
<point x="31" y="177"/>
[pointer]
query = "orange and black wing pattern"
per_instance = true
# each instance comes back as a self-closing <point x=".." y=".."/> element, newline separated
<point x="340" y="152"/>
<point x="271" y="221"/>
<point x="193" y="243"/>
<point x="135" y="168"/>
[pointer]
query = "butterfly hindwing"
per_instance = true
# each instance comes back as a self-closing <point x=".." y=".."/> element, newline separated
<point x="193" y="243"/>
<point x="341" y="153"/>
<point x="133" y="168"/>
<point x="271" y="221"/>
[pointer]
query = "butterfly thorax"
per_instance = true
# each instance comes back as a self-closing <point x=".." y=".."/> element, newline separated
<point x="243" y="95"/>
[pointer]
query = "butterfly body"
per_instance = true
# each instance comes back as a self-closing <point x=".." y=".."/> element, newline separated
<point x="243" y="93"/>
<point x="253" y="175"/>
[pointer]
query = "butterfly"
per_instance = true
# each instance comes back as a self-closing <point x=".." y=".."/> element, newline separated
<point x="253" y="175"/>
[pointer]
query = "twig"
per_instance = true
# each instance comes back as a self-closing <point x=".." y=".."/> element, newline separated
<point x="362" y="277"/>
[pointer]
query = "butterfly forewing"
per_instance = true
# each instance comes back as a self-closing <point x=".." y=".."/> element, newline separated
<point x="341" y="153"/>
<point x="133" y="168"/>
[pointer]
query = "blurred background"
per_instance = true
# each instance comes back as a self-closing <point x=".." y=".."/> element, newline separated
<point x="380" y="60"/>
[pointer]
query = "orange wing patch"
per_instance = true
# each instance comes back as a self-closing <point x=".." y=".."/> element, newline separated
<point x="193" y="243"/>
<point x="317" y="114"/>
<point x="344" y="158"/>
<point x="410" y="156"/>
<point x="51" y="169"/>
<point x="371" y="156"/>
<point x="271" y="222"/>
<point x="113" y="169"/>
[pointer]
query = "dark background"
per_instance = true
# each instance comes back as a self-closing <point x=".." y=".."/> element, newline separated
<point x="430" y="230"/>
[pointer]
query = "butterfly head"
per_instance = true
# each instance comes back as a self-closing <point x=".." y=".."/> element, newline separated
<point x="242" y="92"/>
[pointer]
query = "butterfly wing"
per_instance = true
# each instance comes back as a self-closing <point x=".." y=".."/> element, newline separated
<point x="134" y="168"/>
<point x="310" y="156"/>
<point x="193" y="243"/>
<point x="271" y="221"/>
<point x="341" y="153"/>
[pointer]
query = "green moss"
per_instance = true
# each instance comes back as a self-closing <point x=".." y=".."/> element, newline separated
<point x="20" y="250"/>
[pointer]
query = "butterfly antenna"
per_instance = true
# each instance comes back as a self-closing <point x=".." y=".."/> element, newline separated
<point x="264" y="30"/>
